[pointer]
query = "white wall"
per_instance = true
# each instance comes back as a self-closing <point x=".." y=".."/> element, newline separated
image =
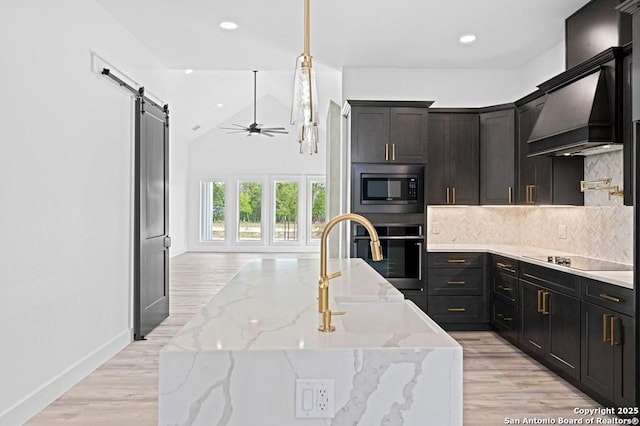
<point x="447" y="87"/>
<point x="65" y="193"/>
<point x="541" y="69"/>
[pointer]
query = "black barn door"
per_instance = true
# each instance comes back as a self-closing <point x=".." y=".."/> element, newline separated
<point x="151" y="239"/>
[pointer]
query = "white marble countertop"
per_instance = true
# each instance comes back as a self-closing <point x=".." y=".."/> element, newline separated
<point x="271" y="305"/>
<point x="619" y="278"/>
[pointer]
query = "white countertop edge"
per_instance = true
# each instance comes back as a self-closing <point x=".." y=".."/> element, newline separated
<point x="619" y="278"/>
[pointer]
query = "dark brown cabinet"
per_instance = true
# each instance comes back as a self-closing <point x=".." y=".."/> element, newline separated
<point x="543" y="179"/>
<point x="456" y="295"/>
<point x="453" y="159"/>
<point x="608" y="355"/>
<point x="389" y="132"/>
<point x="550" y="317"/>
<point x="505" y="297"/>
<point x="497" y="157"/>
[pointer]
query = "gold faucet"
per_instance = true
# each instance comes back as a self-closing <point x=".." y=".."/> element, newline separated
<point x="323" y="282"/>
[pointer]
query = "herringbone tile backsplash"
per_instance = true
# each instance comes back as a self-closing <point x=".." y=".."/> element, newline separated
<point x="602" y="229"/>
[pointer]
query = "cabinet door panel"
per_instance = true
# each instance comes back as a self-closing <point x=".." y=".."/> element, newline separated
<point x="597" y="356"/>
<point x="407" y="134"/>
<point x="564" y="332"/>
<point x="533" y="325"/>
<point x="369" y="134"/>
<point x="497" y="157"/>
<point x="437" y="172"/>
<point x="464" y="158"/>
<point x="625" y="362"/>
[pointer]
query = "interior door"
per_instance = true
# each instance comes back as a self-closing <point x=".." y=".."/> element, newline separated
<point x="151" y="280"/>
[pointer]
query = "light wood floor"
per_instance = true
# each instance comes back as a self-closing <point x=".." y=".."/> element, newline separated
<point x="499" y="381"/>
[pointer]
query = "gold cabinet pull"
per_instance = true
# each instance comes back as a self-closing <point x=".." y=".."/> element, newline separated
<point x="503" y="288"/>
<point x="456" y="261"/>
<point x="506" y="267"/>
<point x="456" y="309"/>
<point x="533" y="194"/>
<point x="448" y="202"/>
<point x="539" y="301"/>
<point x="605" y="327"/>
<point x="614" y="340"/>
<point x="510" y="195"/>
<point x="545" y="302"/>
<point x="386" y="152"/>
<point x="453" y="191"/>
<point x="502" y="317"/>
<point x="456" y="282"/>
<point x="393" y="152"/>
<point x="611" y="298"/>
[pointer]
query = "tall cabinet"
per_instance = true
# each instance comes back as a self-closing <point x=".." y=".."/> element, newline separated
<point x="497" y="156"/>
<point x="453" y="158"/>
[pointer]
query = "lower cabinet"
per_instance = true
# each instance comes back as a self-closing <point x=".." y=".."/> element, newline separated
<point x="456" y="294"/>
<point x="608" y="356"/>
<point x="418" y="297"/>
<point x="550" y="327"/>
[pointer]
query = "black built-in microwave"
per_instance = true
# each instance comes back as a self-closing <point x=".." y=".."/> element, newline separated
<point x="385" y="188"/>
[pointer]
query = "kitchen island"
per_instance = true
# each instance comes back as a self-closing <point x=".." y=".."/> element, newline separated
<point x="241" y="358"/>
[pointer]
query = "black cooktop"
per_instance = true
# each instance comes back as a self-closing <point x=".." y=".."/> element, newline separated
<point x="584" y="263"/>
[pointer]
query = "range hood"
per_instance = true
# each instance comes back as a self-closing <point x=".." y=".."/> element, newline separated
<point x="575" y="119"/>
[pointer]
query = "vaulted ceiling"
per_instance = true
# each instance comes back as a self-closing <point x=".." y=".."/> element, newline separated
<point x="351" y="33"/>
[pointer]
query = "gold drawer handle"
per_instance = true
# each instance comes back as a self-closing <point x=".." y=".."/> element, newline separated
<point x="614" y="342"/>
<point x="504" y="266"/>
<point x="456" y="282"/>
<point x="503" y="288"/>
<point x="502" y="317"/>
<point x="605" y="326"/>
<point x="457" y="309"/>
<point x="456" y="261"/>
<point x="611" y="298"/>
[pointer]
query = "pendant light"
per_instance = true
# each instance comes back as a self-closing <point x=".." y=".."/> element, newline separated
<point x="304" y="111"/>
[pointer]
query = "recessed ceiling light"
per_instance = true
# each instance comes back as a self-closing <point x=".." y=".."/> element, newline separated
<point x="188" y="71"/>
<point x="467" y="38"/>
<point x="220" y="105"/>
<point x="228" y="25"/>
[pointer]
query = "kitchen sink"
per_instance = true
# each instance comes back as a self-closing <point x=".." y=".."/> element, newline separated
<point x="383" y="317"/>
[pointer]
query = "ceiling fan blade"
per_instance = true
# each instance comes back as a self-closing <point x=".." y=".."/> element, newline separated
<point x="242" y="129"/>
<point x="236" y="131"/>
<point x="275" y="128"/>
<point x="266" y="134"/>
<point x="239" y="125"/>
<point x="279" y="132"/>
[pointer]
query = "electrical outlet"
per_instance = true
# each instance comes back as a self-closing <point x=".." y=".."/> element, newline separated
<point x="435" y="227"/>
<point x="562" y="232"/>
<point x="315" y="398"/>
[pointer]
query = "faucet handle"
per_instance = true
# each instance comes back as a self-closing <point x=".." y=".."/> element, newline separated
<point x="335" y="275"/>
<point x="326" y="326"/>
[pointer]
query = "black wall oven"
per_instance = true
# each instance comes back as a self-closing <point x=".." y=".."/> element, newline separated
<point x="402" y="251"/>
<point x="384" y="188"/>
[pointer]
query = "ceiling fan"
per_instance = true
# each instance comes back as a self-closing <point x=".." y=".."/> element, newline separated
<point x="255" y="127"/>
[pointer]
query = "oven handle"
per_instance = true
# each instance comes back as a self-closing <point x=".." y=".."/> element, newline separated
<point x="419" y="261"/>
<point x="398" y="237"/>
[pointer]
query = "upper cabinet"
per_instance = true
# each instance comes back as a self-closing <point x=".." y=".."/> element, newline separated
<point x="389" y="132"/>
<point x="543" y="179"/>
<point x="453" y="152"/>
<point x="497" y="157"/>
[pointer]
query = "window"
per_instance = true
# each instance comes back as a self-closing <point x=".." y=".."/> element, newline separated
<point x="249" y="211"/>
<point x="213" y="217"/>
<point x="318" y="217"/>
<point x="286" y="211"/>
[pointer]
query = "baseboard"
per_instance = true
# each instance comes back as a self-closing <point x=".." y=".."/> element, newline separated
<point x="174" y="253"/>
<point x="39" y="399"/>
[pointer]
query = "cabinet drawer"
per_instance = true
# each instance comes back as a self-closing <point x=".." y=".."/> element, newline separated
<point x="505" y="319"/>
<point x="560" y="281"/>
<point x="505" y="288"/>
<point x="455" y="282"/>
<point x="455" y="260"/>
<point x="457" y="309"/>
<point x="505" y="264"/>
<point x="610" y="296"/>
